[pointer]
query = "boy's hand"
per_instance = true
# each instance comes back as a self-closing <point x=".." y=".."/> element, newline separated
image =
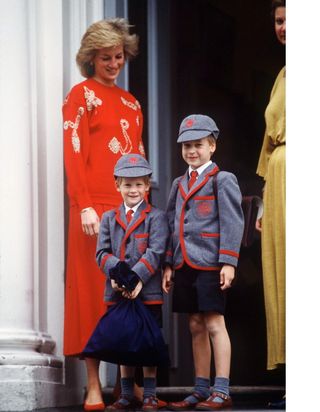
<point x="134" y="293"/>
<point x="90" y="221"/>
<point x="166" y="279"/>
<point x="226" y="276"/>
<point x="115" y="286"/>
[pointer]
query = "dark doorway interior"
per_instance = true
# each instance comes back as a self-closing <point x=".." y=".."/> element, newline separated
<point x="224" y="59"/>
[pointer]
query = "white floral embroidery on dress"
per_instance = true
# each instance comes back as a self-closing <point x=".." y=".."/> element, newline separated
<point x="138" y="104"/>
<point x="137" y="120"/>
<point x="141" y="148"/>
<point x="134" y="106"/>
<point x="91" y="99"/>
<point x="74" y="126"/>
<point x="115" y="146"/>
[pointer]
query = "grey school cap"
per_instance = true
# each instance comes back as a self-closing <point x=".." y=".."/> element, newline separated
<point x="197" y="126"/>
<point x="132" y="165"/>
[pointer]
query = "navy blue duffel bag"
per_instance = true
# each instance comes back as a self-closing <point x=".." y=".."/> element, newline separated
<point x="129" y="335"/>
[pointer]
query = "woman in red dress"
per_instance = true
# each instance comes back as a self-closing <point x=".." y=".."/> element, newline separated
<point x="101" y="123"/>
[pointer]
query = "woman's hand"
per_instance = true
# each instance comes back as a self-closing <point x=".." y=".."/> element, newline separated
<point x="259" y="225"/>
<point x="90" y="221"/>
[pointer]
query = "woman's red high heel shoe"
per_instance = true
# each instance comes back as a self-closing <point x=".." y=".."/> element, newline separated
<point x="94" y="407"/>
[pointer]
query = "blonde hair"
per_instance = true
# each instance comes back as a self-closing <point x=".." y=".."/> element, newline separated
<point x="146" y="179"/>
<point x="105" y="33"/>
<point x="211" y="139"/>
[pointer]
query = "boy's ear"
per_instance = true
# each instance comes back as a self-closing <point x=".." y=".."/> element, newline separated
<point x="213" y="147"/>
<point x="117" y="186"/>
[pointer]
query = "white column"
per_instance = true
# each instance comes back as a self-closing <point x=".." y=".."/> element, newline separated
<point x="30" y="371"/>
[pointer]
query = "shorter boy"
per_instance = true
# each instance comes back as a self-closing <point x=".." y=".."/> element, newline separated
<point x="135" y="233"/>
<point x="206" y="223"/>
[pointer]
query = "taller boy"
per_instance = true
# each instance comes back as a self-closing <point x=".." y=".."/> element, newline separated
<point x="206" y="223"/>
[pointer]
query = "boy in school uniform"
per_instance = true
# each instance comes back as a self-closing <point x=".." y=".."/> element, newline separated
<point x="137" y="234"/>
<point x="206" y="224"/>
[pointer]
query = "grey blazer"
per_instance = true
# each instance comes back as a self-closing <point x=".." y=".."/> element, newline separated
<point x="205" y="232"/>
<point x="141" y="244"/>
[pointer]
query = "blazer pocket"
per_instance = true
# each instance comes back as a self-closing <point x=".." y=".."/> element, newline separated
<point x="210" y="234"/>
<point x="141" y="242"/>
<point x="209" y="246"/>
<point x="204" y="197"/>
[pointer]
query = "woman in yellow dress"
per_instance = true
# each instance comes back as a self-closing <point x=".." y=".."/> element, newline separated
<point x="272" y="167"/>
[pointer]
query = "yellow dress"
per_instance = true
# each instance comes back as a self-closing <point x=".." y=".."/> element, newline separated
<point x="272" y="167"/>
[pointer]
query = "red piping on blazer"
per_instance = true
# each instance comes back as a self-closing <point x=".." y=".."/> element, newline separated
<point x="210" y="234"/>
<point x="147" y="264"/>
<point x="229" y="252"/>
<point x="131" y="228"/>
<point x="186" y="197"/>
<point x="103" y="261"/>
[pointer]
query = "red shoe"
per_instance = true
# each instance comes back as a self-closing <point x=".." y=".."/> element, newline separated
<point x="94" y="406"/>
<point x="185" y="405"/>
<point x="120" y="406"/>
<point x="153" y="404"/>
<point x="211" y="405"/>
<point x="162" y="404"/>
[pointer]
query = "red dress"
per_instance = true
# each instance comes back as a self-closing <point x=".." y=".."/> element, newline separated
<point x="100" y="124"/>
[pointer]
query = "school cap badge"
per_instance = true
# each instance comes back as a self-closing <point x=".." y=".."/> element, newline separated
<point x="197" y="126"/>
<point x="132" y="165"/>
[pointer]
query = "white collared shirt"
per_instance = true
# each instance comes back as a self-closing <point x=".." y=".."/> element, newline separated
<point x="134" y="208"/>
<point x="200" y="169"/>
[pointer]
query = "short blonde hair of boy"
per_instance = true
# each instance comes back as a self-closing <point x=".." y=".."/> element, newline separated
<point x="211" y="139"/>
<point x="105" y="33"/>
<point x="146" y="179"/>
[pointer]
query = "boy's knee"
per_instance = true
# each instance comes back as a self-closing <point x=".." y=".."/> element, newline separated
<point x="215" y="324"/>
<point x="197" y="325"/>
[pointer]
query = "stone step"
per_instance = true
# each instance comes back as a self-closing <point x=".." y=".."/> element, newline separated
<point x="261" y="394"/>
